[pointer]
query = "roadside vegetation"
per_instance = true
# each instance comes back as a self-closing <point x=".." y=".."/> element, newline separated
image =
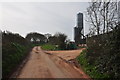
<point x="14" y="50"/>
<point x="89" y="69"/>
<point x="103" y="49"/>
<point x="101" y="57"/>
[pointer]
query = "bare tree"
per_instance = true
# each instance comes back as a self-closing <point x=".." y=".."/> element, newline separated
<point x="93" y="15"/>
<point x="109" y="15"/>
<point x="102" y="16"/>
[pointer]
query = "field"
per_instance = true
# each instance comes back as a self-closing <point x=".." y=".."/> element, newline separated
<point x="48" y="47"/>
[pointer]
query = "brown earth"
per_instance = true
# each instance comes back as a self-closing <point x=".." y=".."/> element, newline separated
<point x="66" y="54"/>
<point x="51" y="64"/>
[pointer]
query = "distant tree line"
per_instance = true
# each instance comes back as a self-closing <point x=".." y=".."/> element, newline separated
<point x="57" y="39"/>
<point x="36" y="38"/>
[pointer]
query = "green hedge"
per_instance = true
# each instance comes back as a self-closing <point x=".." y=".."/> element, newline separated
<point x="12" y="55"/>
<point x="104" y="52"/>
<point x="90" y="69"/>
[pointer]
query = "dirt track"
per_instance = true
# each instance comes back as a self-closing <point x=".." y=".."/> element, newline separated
<point x="50" y="64"/>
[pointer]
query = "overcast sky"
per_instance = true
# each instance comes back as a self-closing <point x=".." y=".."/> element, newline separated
<point x="41" y="17"/>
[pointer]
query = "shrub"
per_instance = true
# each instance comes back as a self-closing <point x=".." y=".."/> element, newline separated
<point x="12" y="56"/>
<point x="90" y="69"/>
<point x="104" y="52"/>
<point x="14" y="50"/>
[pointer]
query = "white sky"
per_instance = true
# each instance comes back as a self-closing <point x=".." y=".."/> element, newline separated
<point x="41" y="17"/>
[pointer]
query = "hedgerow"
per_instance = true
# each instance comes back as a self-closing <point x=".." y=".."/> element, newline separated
<point x="14" y="49"/>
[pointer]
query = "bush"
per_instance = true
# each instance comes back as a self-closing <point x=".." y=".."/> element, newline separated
<point x="14" y="50"/>
<point x="71" y="46"/>
<point x="104" y="52"/>
<point x="90" y="69"/>
<point x="11" y="57"/>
